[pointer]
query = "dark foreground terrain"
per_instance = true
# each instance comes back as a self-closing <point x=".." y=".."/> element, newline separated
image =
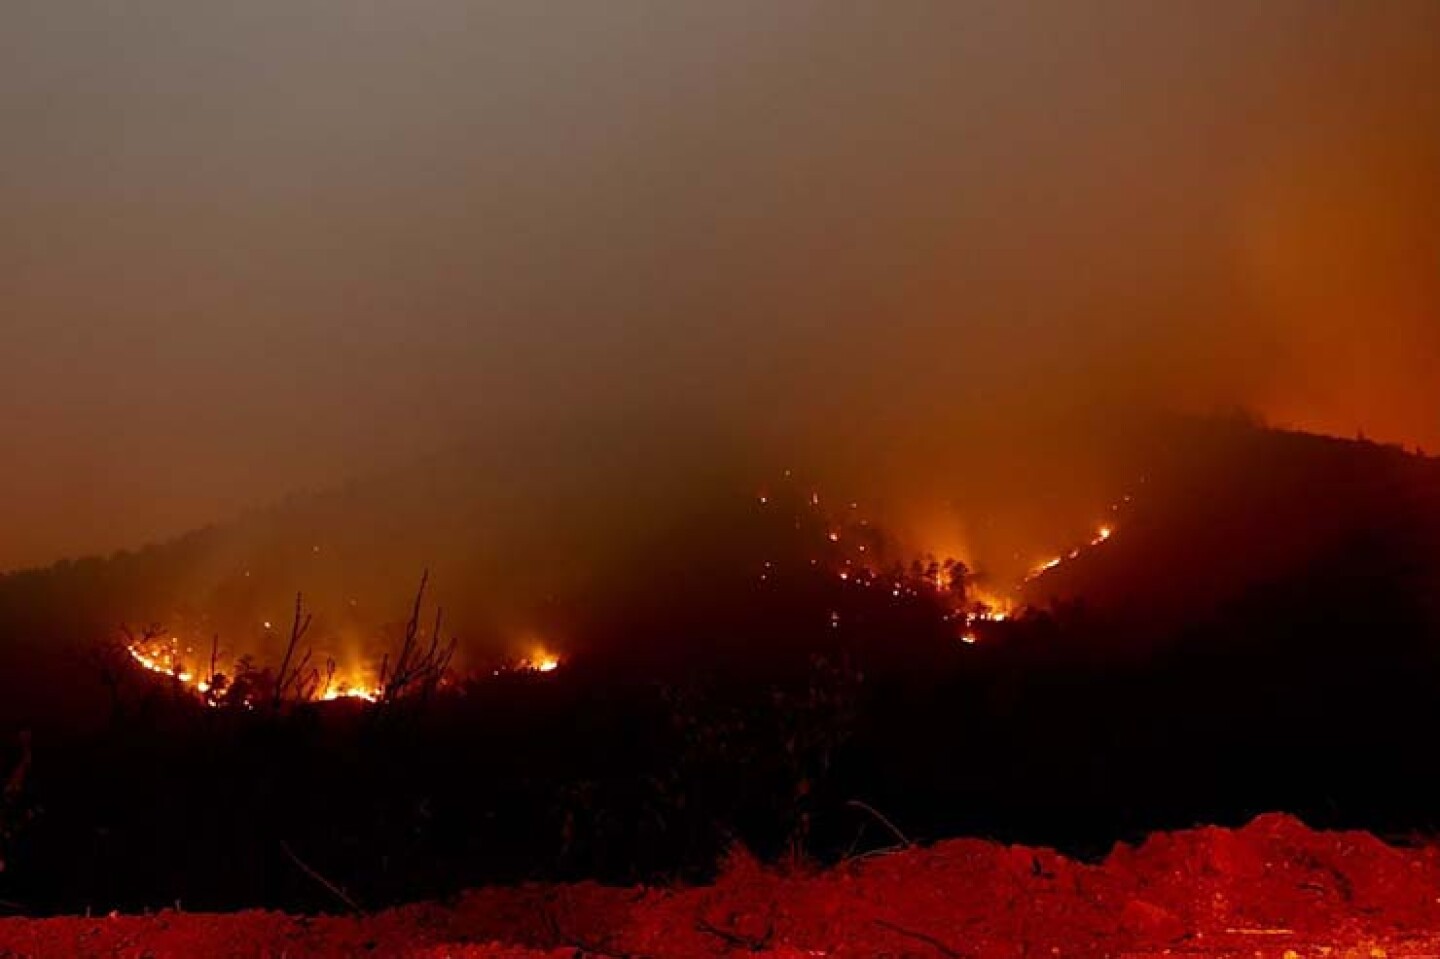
<point x="1272" y="888"/>
<point x="1264" y="637"/>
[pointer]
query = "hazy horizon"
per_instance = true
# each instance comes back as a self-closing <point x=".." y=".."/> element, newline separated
<point x="934" y="252"/>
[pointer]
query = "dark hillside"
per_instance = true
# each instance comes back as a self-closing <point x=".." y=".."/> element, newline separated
<point x="1259" y="633"/>
<point x="1218" y="508"/>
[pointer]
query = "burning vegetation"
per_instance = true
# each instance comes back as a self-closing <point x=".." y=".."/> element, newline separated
<point x="419" y="667"/>
<point x="800" y="535"/>
<point x="854" y="550"/>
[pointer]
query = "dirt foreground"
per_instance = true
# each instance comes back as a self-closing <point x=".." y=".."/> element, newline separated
<point x="1273" y="888"/>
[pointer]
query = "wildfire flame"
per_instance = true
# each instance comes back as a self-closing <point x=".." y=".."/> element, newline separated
<point x="850" y="550"/>
<point x="158" y="657"/>
<point x="539" y="661"/>
<point x="166" y="656"/>
<point x="848" y="547"/>
<point x="1102" y="535"/>
<point x="844" y="551"/>
<point x="344" y="690"/>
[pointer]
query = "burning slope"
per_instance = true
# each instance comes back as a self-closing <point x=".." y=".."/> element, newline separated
<point x="842" y="544"/>
<point x="232" y="681"/>
<point x="1102" y="536"/>
<point x="172" y="657"/>
<point x="1204" y="491"/>
<point x="847" y="547"/>
<point x="861" y="555"/>
<point x="1229" y="508"/>
<point x="166" y="656"/>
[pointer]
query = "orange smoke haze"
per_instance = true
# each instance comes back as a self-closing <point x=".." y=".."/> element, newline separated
<point x="945" y="257"/>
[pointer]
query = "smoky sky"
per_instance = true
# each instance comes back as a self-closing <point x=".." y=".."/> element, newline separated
<point x="251" y="248"/>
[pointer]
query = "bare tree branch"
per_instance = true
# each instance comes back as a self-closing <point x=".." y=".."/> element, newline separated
<point x="299" y="626"/>
<point x="332" y="887"/>
<point x="929" y="940"/>
<point x="416" y="668"/>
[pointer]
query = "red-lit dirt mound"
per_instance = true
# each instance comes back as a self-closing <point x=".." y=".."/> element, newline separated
<point x="1273" y="888"/>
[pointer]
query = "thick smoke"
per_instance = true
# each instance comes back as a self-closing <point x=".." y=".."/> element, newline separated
<point x="944" y="257"/>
